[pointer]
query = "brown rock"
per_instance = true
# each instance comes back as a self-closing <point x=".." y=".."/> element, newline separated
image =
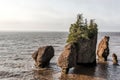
<point x="82" y="52"/>
<point x="103" y="49"/>
<point x="68" y="58"/>
<point x="114" y="56"/>
<point x="43" y="56"/>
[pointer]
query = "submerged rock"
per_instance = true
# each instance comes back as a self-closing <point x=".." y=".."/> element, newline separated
<point x="103" y="49"/>
<point x="43" y="56"/>
<point x="68" y="58"/>
<point x="115" y="60"/>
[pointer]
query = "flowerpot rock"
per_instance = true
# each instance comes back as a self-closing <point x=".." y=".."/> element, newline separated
<point x="103" y="49"/>
<point x="81" y="48"/>
<point x="67" y="59"/>
<point x="43" y="56"/>
<point x="85" y="37"/>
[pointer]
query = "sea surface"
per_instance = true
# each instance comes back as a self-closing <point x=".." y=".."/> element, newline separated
<point x="16" y="62"/>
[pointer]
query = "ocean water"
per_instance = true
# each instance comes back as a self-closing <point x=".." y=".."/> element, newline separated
<point x="16" y="62"/>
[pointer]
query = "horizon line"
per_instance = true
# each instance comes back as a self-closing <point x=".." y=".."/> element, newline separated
<point x="42" y="31"/>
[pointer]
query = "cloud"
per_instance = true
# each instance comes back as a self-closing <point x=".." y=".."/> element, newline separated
<point x="57" y="15"/>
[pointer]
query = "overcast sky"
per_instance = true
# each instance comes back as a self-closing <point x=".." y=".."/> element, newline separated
<point x="57" y="15"/>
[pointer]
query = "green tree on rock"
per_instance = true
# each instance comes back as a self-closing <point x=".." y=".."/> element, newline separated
<point x="81" y="30"/>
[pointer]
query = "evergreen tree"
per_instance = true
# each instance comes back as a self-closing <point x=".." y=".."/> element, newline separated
<point x="81" y="30"/>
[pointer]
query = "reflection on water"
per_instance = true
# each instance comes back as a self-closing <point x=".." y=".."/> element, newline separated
<point x="42" y="74"/>
<point x="80" y="73"/>
<point x="101" y="72"/>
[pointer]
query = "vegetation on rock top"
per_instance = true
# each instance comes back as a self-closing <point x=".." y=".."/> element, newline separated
<point x="82" y="30"/>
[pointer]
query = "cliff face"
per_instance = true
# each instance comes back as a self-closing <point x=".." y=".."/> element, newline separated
<point x="87" y="50"/>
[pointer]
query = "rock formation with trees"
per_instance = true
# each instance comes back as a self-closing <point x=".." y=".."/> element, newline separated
<point x="81" y="30"/>
<point x="83" y="37"/>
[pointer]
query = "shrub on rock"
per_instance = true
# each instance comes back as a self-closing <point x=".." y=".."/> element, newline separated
<point x="82" y="30"/>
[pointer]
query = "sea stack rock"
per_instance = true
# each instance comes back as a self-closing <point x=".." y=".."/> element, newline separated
<point x="114" y="56"/>
<point x="43" y="56"/>
<point x="68" y="58"/>
<point x="103" y="49"/>
<point x="84" y="36"/>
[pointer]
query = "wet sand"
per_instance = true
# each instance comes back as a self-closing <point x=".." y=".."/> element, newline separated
<point x="78" y="73"/>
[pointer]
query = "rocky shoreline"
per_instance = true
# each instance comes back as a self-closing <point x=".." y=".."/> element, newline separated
<point x="79" y="53"/>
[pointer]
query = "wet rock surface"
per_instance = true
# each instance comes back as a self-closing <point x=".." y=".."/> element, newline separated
<point x="43" y="56"/>
<point x="103" y="49"/>
<point x="86" y="51"/>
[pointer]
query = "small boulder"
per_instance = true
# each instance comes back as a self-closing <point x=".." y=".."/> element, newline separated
<point x="114" y="56"/>
<point x="67" y="59"/>
<point x="103" y="49"/>
<point x="43" y="56"/>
